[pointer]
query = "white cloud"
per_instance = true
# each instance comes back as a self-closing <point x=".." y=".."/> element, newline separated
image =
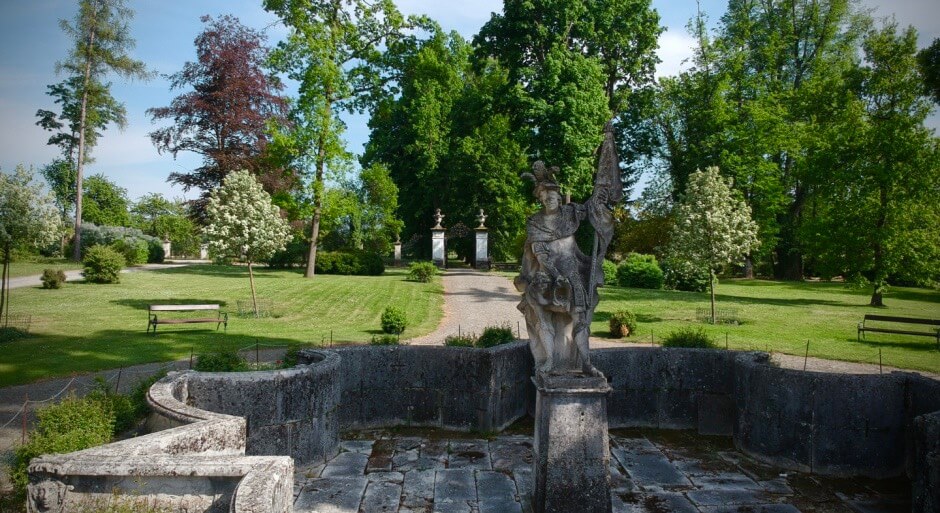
<point x="674" y="48"/>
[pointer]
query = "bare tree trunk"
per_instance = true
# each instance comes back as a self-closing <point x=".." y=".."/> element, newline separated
<point x="711" y="284"/>
<point x="4" y="307"/>
<point x="318" y="198"/>
<point x="82" y="123"/>
<point x="251" y="280"/>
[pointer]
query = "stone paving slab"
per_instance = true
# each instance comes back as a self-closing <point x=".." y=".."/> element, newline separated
<point x="495" y="476"/>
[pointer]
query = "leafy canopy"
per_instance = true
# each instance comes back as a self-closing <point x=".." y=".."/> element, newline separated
<point x="242" y="220"/>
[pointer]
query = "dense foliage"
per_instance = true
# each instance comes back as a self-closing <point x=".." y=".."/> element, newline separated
<point x="495" y="335"/>
<point x="640" y="271"/>
<point x="360" y="263"/>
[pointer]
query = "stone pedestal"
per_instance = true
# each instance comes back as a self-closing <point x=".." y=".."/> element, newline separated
<point x="204" y="252"/>
<point x="398" y="254"/>
<point x="482" y="259"/>
<point x="166" y="248"/>
<point x="571" y="450"/>
<point x="438" y="249"/>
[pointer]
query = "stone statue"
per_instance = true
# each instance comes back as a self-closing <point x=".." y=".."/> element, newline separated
<point x="438" y="217"/>
<point x="481" y="218"/>
<point x="558" y="281"/>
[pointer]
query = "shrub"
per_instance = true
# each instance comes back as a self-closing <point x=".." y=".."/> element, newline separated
<point x="688" y="337"/>
<point x="120" y="406"/>
<point x="680" y="275"/>
<point x="102" y="265"/>
<point x="393" y="320"/>
<point x="386" y="340"/>
<point x="640" y="271"/>
<point x="70" y="425"/>
<point x="360" y="263"/>
<point x="293" y="255"/>
<point x="93" y="235"/>
<point x="495" y="335"/>
<point x="222" y="360"/>
<point x="52" y="278"/>
<point x="155" y="254"/>
<point x="135" y="251"/>
<point x="291" y="357"/>
<point x="610" y="272"/>
<point x="422" y="271"/>
<point x="622" y="324"/>
<point x="138" y="394"/>
<point x="462" y="340"/>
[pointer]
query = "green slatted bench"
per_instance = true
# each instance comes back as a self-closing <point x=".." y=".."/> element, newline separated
<point x="863" y="327"/>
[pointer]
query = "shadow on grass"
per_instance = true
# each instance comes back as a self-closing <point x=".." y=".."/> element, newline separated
<point x="41" y="357"/>
<point x="143" y="304"/>
<point x="928" y="344"/>
<point x="224" y="271"/>
<point x="627" y="294"/>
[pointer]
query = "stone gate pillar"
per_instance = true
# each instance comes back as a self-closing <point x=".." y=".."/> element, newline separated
<point x="482" y="258"/>
<point x="398" y="253"/>
<point x="438" y="246"/>
<point x="166" y="248"/>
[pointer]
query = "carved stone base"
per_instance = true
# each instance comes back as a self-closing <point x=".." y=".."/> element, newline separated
<point x="571" y="451"/>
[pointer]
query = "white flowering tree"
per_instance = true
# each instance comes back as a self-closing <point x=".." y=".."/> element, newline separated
<point x="28" y="220"/>
<point x="713" y="226"/>
<point x="243" y="223"/>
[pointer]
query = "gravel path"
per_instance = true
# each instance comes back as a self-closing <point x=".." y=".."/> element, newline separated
<point x="474" y="300"/>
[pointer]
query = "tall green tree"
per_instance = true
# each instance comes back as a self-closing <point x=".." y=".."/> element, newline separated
<point x="101" y="41"/>
<point x="929" y="61"/>
<point x="447" y="145"/>
<point x="879" y="212"/>
<point x="334" y="51"/>
<point x="28" y="220"/>
<point x="573" y="65"/>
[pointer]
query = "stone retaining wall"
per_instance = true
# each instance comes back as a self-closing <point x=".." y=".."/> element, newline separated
<point x="455" y="388"/>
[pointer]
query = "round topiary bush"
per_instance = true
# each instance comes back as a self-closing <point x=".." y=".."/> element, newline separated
<point x="393" y="320"/>
<point x="640" y="271"/>
<point x="102" y="265"/>
<point x="681" y="275"/>
<point x="622" y="324"/>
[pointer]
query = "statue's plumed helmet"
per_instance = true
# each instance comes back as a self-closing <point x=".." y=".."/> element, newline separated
<point x="543" y="177"/>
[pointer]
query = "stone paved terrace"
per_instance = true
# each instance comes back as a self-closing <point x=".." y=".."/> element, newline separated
<point x="651" y="472"/>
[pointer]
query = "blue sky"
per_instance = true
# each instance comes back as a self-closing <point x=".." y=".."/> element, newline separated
<point x="32" y="42"/>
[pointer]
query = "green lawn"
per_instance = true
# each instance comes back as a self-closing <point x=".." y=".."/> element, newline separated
<point x="18" y="269"/>
<point x="85" y="327"/>
<point x="782" y="316"/>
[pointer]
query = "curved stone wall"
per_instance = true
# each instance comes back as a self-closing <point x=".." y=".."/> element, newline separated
<point x="831" y="424"/>
<point x="291" y="412"/>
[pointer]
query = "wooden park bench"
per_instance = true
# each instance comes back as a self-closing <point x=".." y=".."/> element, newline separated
<point x="153" y="319"/>
<point x="862" y="328"/>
